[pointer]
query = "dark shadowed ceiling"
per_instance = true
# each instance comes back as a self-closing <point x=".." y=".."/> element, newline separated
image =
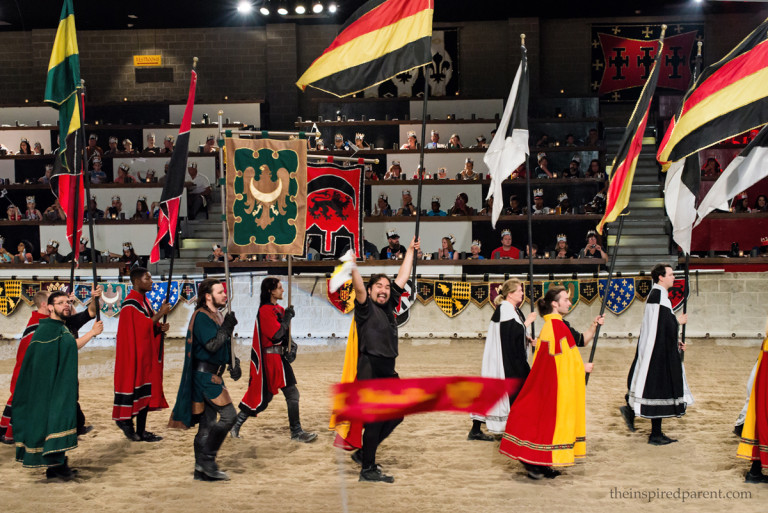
<point x="110" y="15"/>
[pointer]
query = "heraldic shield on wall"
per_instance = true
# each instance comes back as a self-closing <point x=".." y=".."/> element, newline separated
<point x="266" y="196"/>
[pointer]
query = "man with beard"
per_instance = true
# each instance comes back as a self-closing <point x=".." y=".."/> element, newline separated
<point x="45" y="397"/>
<point x="202" y="394"/>
<point x="656" y="382"/>
<point x="139" y="360"/>
<point x="378" y="348"/>
<point x="393" y="250"/>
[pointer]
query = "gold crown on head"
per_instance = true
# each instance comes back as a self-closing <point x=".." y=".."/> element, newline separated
<point x="591" y="233"/>
<point x="561" y="237"/>
<point x="395" y="163"/>
<point x="452" y="238"/>
<point x="477" y="243"/>
<point x="114" y="198"/>
<point x="435" y="132"/>
<point x="435" y="199"/>
<point x="83" y="240"/>
<point x="53" y="243"/>
<point x="113" y="139"/>
<point x="538" y="193"/>
<point x="125" y="167"/>
<point x="506" y="231"/>
<point x="127" y="141"/>
<point x="127" y="245"/>
<point x="411" y="133"/>
<point x="406" y="191"/>
<point x="359" y="135"/>
<point x="142" y="198"/>
<point x="392" y="232"/>
<point x="30" y="199"/>
<point x="561" y="197"/>
<point x="384" y="197"/>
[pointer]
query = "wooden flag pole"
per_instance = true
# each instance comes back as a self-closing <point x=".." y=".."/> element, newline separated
<point x="225" y="230"/>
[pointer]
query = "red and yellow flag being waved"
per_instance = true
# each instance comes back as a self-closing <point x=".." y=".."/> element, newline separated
<point x="375" y="400"/>
<point x="382" y="39"/>
<point x="623" y="172"/>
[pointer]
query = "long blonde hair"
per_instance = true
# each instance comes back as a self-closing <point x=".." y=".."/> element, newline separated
<point x="511" y="285"/>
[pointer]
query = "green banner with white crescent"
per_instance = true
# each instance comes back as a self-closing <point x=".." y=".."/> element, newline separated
<point x="266" y="196"/>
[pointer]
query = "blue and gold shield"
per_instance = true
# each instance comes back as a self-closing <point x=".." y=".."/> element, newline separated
<point x="620" y="294"/>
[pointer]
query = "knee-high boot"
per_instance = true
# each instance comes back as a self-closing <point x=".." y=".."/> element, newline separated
<point x="239" y="421"/>
<point x="297" y="433"/>
<point x="216" y="435"/>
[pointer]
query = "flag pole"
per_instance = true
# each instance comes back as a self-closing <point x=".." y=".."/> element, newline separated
<point x="420" y="171"/>
<point x="530" y="220"/>
<point x="696" y="71"/>
<point x="87" y="183"/>
<point x="225" y="231"/>
<point x="78" y="177"/>
<point x="605" y="292"/>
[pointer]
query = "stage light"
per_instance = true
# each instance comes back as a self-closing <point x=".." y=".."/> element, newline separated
<point x="300" y="8"/>
<point x="244" y="7"/>
<point x="264" y="9"/>
<point x="317" y="7"/>
<point x="332" y="7"/>
<point x="282" y="10"/>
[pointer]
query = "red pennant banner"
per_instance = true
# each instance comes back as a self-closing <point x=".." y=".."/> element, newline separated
<point x="383" y="399"/>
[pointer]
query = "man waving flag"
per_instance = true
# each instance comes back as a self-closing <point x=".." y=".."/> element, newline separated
<point x="61" y="90"/>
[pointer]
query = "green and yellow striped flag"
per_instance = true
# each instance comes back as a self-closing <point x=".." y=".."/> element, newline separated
<point x="63" y="81"/>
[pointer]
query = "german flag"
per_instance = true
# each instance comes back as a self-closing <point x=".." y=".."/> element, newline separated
<point x="728" y="98"/>
<point x="382" y="39"/>
<point x="623" y="172"/>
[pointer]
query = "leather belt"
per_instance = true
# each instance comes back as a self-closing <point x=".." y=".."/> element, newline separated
<point x="210" y="367"/>
<point x="274" y="350"/>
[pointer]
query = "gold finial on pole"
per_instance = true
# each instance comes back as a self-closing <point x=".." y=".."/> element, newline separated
<point x="194" y="62"/>
<point x="522" y="40"/>
<point x="698" y="52"/>
<point x="663" y="30"/>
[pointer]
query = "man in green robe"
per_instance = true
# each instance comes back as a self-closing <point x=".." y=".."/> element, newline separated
<point x="45" y="400"/>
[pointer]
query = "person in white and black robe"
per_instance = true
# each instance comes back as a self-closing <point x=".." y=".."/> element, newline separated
<point x="505" y="355"/>
<point x="656" y="382"/>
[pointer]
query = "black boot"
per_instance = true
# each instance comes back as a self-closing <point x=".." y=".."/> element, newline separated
<point x="126" y="426"/>
<point x="241" y="418"/>
<point x="477" y="434"/>
<point x="297" y="433"/>
<point x="628" y="415"/>
<point x="207" y="460"/>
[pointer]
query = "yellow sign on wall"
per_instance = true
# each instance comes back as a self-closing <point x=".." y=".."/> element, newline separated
<point x="141" y="61"/>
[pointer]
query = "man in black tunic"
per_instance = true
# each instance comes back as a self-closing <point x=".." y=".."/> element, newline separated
<point x="656" y="382"/>
<point x="377" y="332"/>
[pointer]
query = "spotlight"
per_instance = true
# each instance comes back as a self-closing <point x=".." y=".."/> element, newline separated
<point x="282" y="10"/>
<point x="244" y="7"/>
<point x="264" y="9"/>
<point x="332" y="7"/>
<point x="317" y="7"/>
<point x="300" y="8"/>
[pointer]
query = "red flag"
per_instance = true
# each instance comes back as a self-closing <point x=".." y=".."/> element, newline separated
<point x="170" y="199"/>
<point x="376" y="400"/>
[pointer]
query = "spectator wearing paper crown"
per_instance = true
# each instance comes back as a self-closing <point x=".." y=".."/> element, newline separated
<point x="538" y="203"/>
<point x="436" y="212"/>
<point x="93" y="147"/>
<point x="55" y="212"/>
<point x="24" y="147"/>
<point x="408" y="209"/>
<point x="38" y="149"/>
<point x="420" y="171"/>
<point x="393" y="250"/>
<point x="360" y="141"/>
<point x="474" y="251"/>
<point x="506" y="250"/>
<point x="763" y="250"/>
<point x="151" y="148"/>
<point x="412" y="143"/>
<point x="573" y="170"/>
<point x="210" y="144"/>
<point x="113" y="149"/>
<point x="468" y="173"/>
<point x="46" y="178"/>
<point x="85" y="252"/>
<point x="593" y="249"/>
<point x="319" y="144"/>
<point x="446" y="251"/>
<point x="561" y="250"/>
<point x="32" y="213"/>
<point x="434" y="142"/>
<point x="93" y="210"/>
<point x="597" y="205"/>
<point x="97" y="174"/>
<point x="395" y="172"/>
<point x="24" y="253"/>
<point x="741" y="204"/>
<point x="480" y="142"/>
<point x="542" y="170"/>
<point x="564" y="204"/>
<point x="128" y="147"/>
<point x="114" y="210"/>
<point x="51" y="254"/>
<point x="382" y="207"/>
<point x="339" y="144"/>
<point x="370" y="174"/>
<point x="13" y="213"/>
<point x="142" y="210"/>
<point x="124" y="174"/>
<point x="167" y="145"/>
<point x="218" y="255"/>
<point x="442" y="174"/>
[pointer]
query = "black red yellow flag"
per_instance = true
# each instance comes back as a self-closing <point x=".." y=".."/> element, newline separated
<point x="382" y="39"/>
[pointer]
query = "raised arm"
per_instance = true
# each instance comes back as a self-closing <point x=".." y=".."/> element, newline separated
<point x="405" y="268"/>
<point x="361" y="294"/>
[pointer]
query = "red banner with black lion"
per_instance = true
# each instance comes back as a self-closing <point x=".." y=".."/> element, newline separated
<point x="334" y="213"/>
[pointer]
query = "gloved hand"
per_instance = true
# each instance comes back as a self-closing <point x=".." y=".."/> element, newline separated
<point x="290" y="313"/>
<point x="235" y="373"/>
<point x="230" y="321"/>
